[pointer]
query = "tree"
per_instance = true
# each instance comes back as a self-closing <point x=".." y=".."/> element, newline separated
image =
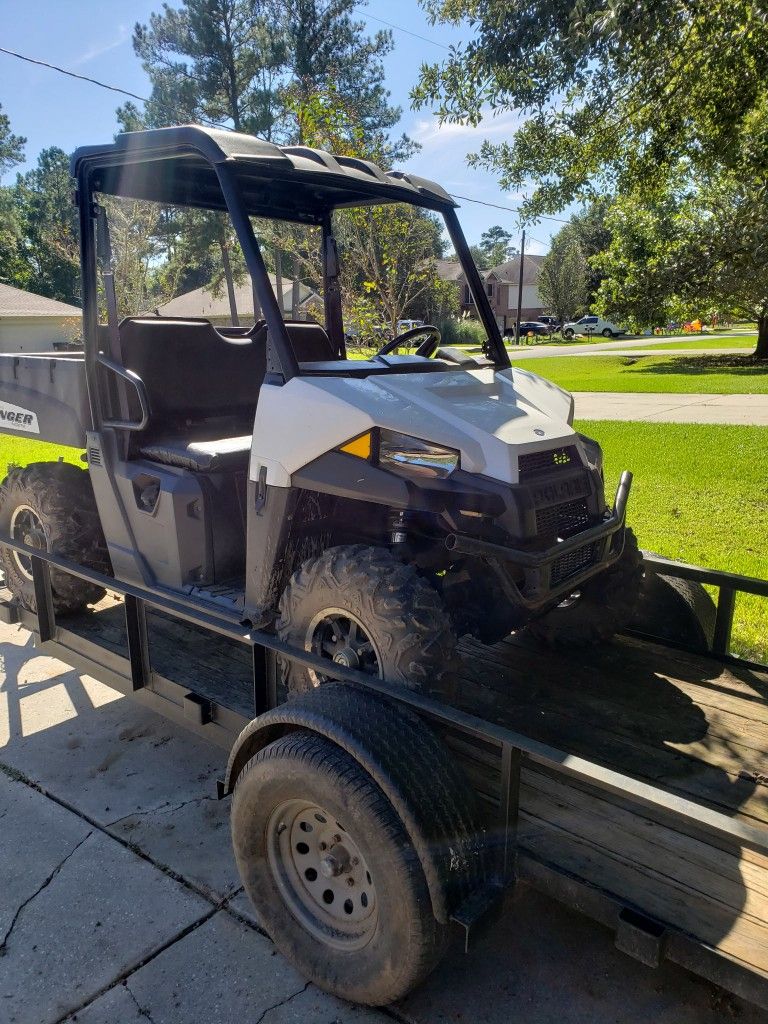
<point x="563" y="282"/>
<point x="496" y="246"/>
<point x="11" y="146"/>
<point x="246" y="63"/>
<point x="591" y="230"/>
<point x="13" y="266"/>
<point x="615" y="98"/>
<point x="698" y="247"/>
<point x="48" y="224"/>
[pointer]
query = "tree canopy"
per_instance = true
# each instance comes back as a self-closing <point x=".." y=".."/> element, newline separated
<point x="250" y="63"/>
<point x="658" y="112"/>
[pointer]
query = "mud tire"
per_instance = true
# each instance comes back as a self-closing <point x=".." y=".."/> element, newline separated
<point x="61" y="496"/>
<point x="402" y="614"/>
<point x="606" y="606"/>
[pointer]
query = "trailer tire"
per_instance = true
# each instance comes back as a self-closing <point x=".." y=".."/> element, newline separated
<point x="368" y="933"/>
<point x="408" y="634"/>
<point x="53" y="503"/>
<point x="605" y="607"/>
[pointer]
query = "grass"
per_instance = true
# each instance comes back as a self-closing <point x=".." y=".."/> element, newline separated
<point x="680" y="374"/>
<point x="20" y="451"/>
<point x="746" y="341"/>
<point x="698" y="496"/>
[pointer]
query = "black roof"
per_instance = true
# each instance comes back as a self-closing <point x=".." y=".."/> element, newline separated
<point x="177" y="165"/>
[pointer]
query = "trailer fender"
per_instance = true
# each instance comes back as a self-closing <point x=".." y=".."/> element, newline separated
<point x="410" y="765"/>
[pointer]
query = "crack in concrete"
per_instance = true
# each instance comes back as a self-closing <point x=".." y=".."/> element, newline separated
<point x="166" y="808"/>
<point x="36" y="893"/>
<point x="143" y="1011"/>
<point x="283" y="1002"/>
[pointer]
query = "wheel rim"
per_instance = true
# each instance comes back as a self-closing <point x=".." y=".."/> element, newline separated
<point x="340" y="636"/>
<point x="321" y="874"/>
<point x="26" y="528"/>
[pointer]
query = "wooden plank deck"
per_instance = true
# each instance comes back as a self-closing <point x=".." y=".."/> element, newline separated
<point x="684" y="723"/>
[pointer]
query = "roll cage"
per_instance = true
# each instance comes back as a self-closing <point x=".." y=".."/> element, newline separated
<point x="213" y="169"/>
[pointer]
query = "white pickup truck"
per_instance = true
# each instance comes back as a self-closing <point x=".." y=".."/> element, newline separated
<point x="592" y="325"/>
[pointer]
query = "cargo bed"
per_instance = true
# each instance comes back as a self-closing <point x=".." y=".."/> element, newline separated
<point x="44" y="396"/>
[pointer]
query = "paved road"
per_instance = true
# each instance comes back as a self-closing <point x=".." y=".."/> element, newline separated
<point x="743" y="410"/>
<point x="622" y="348"/>
<point x="120" y="902"/>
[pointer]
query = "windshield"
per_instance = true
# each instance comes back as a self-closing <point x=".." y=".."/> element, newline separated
<point x="369" y="275"/>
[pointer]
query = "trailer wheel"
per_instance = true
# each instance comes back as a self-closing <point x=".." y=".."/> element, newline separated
<point x="362" y="608"/>
<point x="332" y="872"/>
<point x="601" y="608"/>
<point x="50" y="505"/>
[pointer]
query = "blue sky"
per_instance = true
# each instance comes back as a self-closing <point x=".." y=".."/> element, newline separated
<point x="94" y="38"/>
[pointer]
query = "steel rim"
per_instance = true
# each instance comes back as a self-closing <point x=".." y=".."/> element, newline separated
<point x="26" y="528"/>
<point x="340" y="636"/>
<point x="321" y="874"/>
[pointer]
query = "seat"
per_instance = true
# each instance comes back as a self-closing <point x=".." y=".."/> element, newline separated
<point x="203" y="385"/>
<point x="226" y="453"/>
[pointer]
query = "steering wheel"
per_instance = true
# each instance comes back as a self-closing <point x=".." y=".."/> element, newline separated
<point x="428" y="347"/>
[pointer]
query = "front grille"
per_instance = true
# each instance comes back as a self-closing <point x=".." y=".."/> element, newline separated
<point x="571" y="564"/>
<point x="562" y="520"/>
<point x="538" y="463"/>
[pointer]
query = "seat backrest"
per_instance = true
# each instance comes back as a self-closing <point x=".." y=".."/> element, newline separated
<point x="310" y="342"/>
<point x="190" y="371"/>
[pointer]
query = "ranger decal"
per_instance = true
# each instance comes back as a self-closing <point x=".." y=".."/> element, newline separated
<point x="18" y="419"/>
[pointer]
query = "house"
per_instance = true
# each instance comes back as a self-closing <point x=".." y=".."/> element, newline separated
<point x="203" y="302"/>
<point x="501" y="285"/>
<point x="34" y="323"/>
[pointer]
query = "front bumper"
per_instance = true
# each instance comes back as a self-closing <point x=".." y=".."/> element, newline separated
<point x="560" y="569"/>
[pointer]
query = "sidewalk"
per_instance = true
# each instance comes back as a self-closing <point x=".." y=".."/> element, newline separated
<point x="743" y="410"/>
<point x="121" y="904"/>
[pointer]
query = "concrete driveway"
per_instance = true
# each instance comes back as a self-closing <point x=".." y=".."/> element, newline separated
<point x="120" y="902"/>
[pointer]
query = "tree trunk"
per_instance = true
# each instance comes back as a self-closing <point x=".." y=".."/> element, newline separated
<point x="279" y="281"/>
<point x="227" y="266"/>
<point x="761" y="349"/>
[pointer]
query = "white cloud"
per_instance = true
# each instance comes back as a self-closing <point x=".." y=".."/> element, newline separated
<point x="104" y="47"/>
<point x="432" y="135"/>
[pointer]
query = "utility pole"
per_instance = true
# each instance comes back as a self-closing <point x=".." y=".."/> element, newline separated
<point x="520" y="289"/>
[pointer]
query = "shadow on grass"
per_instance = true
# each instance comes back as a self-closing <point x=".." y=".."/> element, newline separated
<point x="697" y="366"/>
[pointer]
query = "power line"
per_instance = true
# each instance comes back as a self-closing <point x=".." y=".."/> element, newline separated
<point x="73" y="74"/>
<point x="95" y="81"/>
<point x="399" y="28"/>
<point x="509" y="209"/>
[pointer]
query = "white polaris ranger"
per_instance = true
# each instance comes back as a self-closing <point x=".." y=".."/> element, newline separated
<point x="372" y="510"/>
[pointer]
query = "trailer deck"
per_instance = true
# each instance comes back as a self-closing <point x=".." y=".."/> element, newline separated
<point x="630" y="780"/>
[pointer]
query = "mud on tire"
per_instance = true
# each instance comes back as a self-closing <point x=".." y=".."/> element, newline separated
<point x="607" y="604"/>
<point x="401" y="613"/>
<point x="57" y="499"/>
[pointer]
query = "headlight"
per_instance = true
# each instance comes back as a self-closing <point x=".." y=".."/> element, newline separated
<point x="401" y="453"/>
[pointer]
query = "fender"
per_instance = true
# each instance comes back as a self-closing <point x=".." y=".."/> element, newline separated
<point x="409" y="764"/>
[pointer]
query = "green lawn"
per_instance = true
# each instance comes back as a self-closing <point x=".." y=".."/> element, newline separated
<point x="699" y="495"/>
<point x="681" y="374"/>
<point x="20" y="451"/>
<point x="747" y="341"/>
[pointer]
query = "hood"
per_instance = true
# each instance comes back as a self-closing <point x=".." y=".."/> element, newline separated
<point x="489" y="416"/>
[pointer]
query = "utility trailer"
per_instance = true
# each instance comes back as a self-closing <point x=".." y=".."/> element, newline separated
<point x="628" y="785"/>
<point x="344" y="569"/>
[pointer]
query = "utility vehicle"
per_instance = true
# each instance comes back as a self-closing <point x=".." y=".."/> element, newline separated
<point x="253" y="494"/>
<point x="371" y="509"/>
